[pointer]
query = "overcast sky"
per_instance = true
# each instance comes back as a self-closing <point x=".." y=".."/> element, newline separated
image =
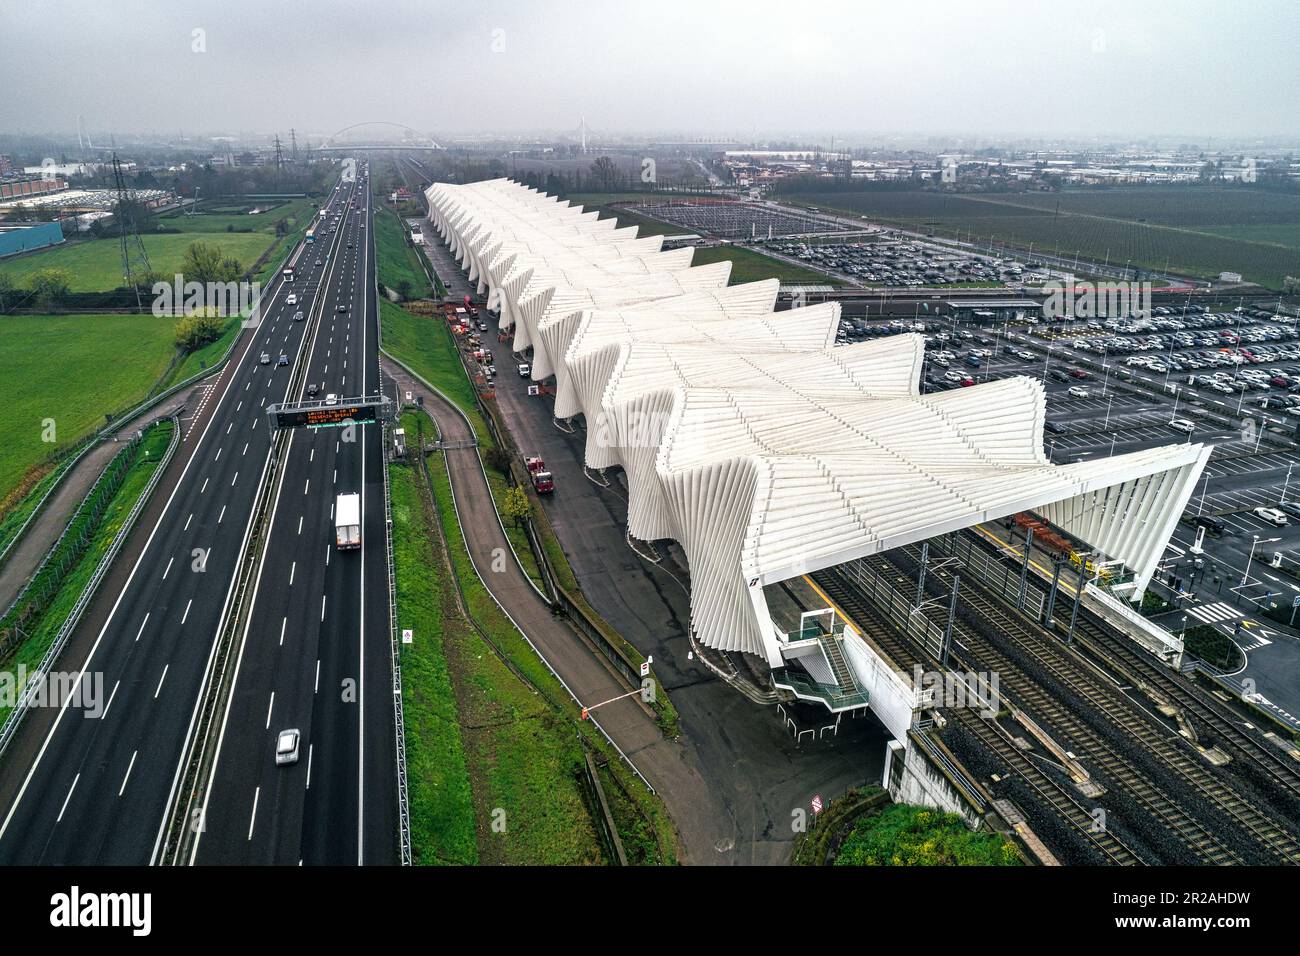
<point x="1204" y="69"/>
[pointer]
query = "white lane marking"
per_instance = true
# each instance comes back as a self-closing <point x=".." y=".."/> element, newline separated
<point x="128" y="773"/>
<point x="230" y="426"/>
<point x="306" y="486"/>
<point x="111" y="695"/>
<point x="245" y="451"/>
<point x="322" y="607"/>
<point x="187" y="522"/>
<point x="270" y="707"/>
<point x="309" y="750"/>
<point x="142" y="624"/>
<point x="160" y="681"/>
<point x="292" y="570"/>
<point x="316" y="688"/>
<point x="240" y="405"/>
<point x="168" y="569"/>
<point x="217" y="456"/>
<point x="67" y="798"/>
<point x="187" y="610"/>
<point x="300" y="524"/>
<point x="336" y="476"/>
<point x="205" y="486"/>
<point x="222" y="515"/>
<point x="253" y="818"/>
<point x="284" y="622"/>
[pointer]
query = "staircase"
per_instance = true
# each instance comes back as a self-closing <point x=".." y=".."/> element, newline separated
<point x="843" y="676"/>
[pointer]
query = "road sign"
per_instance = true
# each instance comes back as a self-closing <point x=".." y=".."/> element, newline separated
<point x="817" y="803"/>
<point x="534" y="390"/>
<point x="408" y="636"/>
<point x="317" y="414"/>
<point x="1295" y="602"/>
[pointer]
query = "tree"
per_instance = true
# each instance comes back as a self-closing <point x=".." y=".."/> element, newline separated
<point x="404" y="288"/>
<point x="605" y="172"/>
<point x="204" y="262"/>
<point x="7" y="290"/>
<point x="517" y="507"/>
<point x="50" y="285"/>
<point x="195" y="331"/>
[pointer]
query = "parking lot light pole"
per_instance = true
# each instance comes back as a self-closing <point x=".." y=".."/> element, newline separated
<point x="1112" y="445"/>
<point x="1106" y="423"/>
<point x="1250" y="557"/>
<point x="1287" y="482"/>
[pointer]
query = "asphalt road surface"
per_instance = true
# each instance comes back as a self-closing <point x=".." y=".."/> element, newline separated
<point x="77" y="788"/>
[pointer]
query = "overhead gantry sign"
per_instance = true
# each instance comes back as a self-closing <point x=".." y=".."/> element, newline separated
<point x="328" y="413"/>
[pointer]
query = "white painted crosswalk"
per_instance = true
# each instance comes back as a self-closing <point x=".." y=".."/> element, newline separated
<point x="1214" y="613"/>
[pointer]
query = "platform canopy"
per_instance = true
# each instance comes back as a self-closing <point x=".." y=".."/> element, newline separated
<point x="750" y="438"/>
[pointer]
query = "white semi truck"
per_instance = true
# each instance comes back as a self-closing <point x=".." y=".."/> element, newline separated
<point x="347" y="521"/>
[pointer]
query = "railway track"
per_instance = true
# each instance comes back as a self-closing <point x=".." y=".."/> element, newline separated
<point x="1278" y="774"/>
<point x="1058" y="797"/>
<point x="1193" y="801"/>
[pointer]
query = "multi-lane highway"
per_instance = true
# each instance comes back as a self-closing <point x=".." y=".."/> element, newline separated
<point x="77" y="789"/>
<point x="319" y="622"/>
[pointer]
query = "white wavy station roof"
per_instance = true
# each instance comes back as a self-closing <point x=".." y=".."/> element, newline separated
<point x="752" y="440"/>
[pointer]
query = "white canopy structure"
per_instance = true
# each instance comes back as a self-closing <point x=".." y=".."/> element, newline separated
<point x="753" y="441"/>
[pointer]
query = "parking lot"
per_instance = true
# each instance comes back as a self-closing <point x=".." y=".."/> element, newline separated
<point x="728" y="219"/>
<point x="895" y="262"/>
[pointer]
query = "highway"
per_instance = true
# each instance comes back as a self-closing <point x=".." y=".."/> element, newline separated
<point x="319" y="622"/>
<point x="96" y="790"/>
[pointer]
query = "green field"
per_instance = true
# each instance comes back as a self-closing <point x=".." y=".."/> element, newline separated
<point x="395" y="260"/>
<point x="96" y="264"/>
<point x="751" y="266"/>
<point x="1197" y="231"/>
<point x="223" y="216"/>
<point x="425" y="344"/>
<point x="72" y="369"/>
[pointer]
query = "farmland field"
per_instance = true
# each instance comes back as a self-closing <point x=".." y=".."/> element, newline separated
<point x="72" y="369"/>
<point x="1190" y="230"/>
<point x="96" y="264"/>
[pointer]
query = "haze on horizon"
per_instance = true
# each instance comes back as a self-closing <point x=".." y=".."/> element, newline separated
<point x="1082" y="70"/>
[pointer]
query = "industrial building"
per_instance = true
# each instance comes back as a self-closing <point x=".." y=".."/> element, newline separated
<point x="766" y="451"/>
<point x="27" y="237"/>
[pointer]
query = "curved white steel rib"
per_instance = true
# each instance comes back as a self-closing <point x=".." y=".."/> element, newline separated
<point x="750" y="439"/>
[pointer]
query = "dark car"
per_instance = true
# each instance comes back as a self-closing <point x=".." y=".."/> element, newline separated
<point x="1210" y="523"/>
<point x="284" y="359"/>
<point x="1056" y="428"/>
<point x="1077" y="373"/>
<point x="1291" y="508"/>
<point x="313" y="390"/>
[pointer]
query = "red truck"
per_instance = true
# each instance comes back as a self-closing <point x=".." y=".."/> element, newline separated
<point x="543" y="483"/>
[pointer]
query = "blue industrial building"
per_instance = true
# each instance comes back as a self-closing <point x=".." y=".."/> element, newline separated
<point x="27" y="236"/>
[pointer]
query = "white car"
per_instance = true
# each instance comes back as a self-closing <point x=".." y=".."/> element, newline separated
<point x="1182" y="425"/>
<point x="286" y="747"/>
<point x="1271" y="515"/>
<point x="291" y="299"/>
<point x="525" y="369"/>
<point x="331" y="399"/>
<point x="1078" y="391"/>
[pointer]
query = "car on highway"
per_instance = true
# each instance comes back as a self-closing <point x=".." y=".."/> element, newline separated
<point x="1272" y="515"/>
<point x="343" y="307"/>
<point x="320" y="262"/>
<point x="299" y="315"/>
<point x="331" y="399"/>
<point x="284" y="359"/>
<point x="286" y="747"/>
<point x="265" y="359"/>
<point x="1182" y="425"/>
<point x="291" y="299"/>
<point x="313" y="390"/>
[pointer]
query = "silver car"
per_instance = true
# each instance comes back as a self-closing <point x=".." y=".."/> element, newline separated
<point x="286" y="747"/>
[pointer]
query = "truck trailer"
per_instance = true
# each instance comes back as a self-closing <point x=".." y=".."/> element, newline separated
<point x="347" y="521"/>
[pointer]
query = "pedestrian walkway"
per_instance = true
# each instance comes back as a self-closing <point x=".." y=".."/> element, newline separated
<point x="1214" y="613"/>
